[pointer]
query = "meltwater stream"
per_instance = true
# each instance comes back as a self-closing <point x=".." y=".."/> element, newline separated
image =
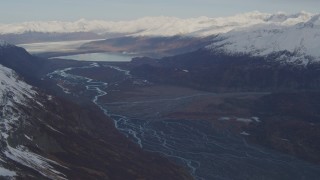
<point x="206" y="152"/>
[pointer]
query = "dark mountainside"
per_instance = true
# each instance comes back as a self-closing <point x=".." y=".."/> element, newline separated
<point x="211" y="71"/>
<point x="21" y="61"/>
<point x="290" y="112"/>
<point x="79" y="137"/>
<point x="148" y="46"/>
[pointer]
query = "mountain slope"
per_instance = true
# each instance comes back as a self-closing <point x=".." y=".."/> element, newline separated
<point x="206" y="70"/>
<point x="45" y="137"/>
<point x="300" y="41"/>
<point x="15" y="96"/>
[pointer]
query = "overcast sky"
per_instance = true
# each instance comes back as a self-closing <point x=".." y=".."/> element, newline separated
<point x="70" y="10"/>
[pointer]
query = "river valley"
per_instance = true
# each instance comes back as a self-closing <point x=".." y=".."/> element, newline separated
<point x="207" y="151"/>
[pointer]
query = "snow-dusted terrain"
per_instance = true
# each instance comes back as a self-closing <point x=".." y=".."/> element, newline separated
<point x="16" y="95"/>
<point x="300" y="41"/>
<point x="13" y="92"/>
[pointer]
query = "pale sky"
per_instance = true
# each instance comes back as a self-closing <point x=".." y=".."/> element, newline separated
<point x="70" y="10"/>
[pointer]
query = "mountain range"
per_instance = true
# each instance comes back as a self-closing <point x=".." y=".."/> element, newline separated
<point x="254" y="34"/>
<point x="161" y="26"/>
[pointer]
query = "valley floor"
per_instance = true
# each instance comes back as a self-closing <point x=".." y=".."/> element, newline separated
<point x="213" y="135"/>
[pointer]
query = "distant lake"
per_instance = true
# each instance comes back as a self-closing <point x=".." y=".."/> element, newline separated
<point x="72" y="46"/>
<point x="110" y="57"/>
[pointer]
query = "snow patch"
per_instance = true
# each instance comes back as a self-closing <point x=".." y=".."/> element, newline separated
<point x="224" y="119"/>
<point x="53" y="129"/>
<point x="257" y="119"/>
<point x="29" y="138"/>
<point x="244" y="120"/>
<point x="245" y="133"/>
<point x="240" y="119"/>
<point x="49" y="97"/>
<point x="6" y="173"/>
<point x="44" y="166"/>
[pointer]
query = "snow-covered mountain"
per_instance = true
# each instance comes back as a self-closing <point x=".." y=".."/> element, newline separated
<point x="159" y="26"/>
<point x="298" y="43"/>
